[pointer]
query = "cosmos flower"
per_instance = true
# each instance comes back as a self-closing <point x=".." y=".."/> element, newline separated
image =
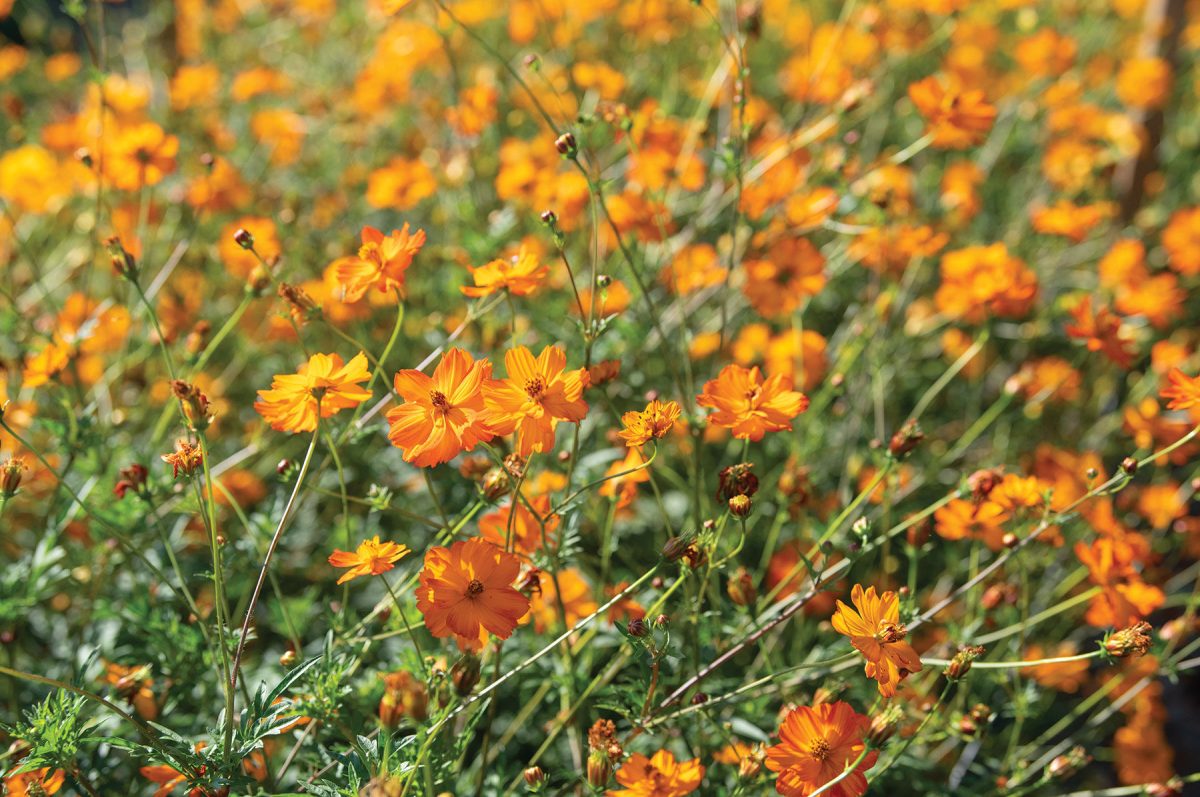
<point x="534" y="397"/>
<point x="371" y="558"/>
<point x="442" y="415"/>
<point x="750" y="406"/>
<point x="381" y="262"/>
<point x="324" y="381"/>
<point x="466" y="591"/>
<point x="657" y="776"/>
<point x="876" y="632"/>
<point x="816" y="744"/>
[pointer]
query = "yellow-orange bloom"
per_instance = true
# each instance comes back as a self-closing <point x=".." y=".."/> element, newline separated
<point x="816" y="744"/>
<point x="957" y="118"/>
<point x="652" y="423"/>
<point x="34" y="783"/>
<point x="534" y="397"/>
<point x="876" y="632"/>
<point x="467" y="591"/>
<point x="658" y="776"/>
<point x="381" y="262"/>
<point x="371" y="558"/>
<point x="441" y="415"/>
<point x="1183" y="392"/>
<point x="324" y="383"/>
<point x="142" y="156"/>
<point x="520" y="275"/>
<point x="750" y="406"/>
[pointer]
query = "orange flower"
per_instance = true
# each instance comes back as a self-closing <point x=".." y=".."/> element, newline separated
<point x="957" y="118"/>
<point x="749" y="406"/>
<point x="791" y="270"/>
<point x="816" y="744"/>
<point x="1067" y="676"/>
<point x="658" y="776"/>
<point x="1070" y="220"/>
<point x="529" y="529"/>
<point x="575" y="599"/>
<point x="46" y="364"/>
<point x="521" y="275"/>
<point x="381" y="263"/>
<point x="534" y="397"/>
<point x="1102" y="330"/>
<point x="977" y="280"/>
<point x="467" y="589"/>
<point x="876" y="632"/>
<point x="142" y="156"/>
<point x="1181" y="239"/>
<point x="323" y="383"/>
<point x="652" y="423"/>
<point x="34" y="783"/>
<point x="1144" y="82"/>
<point x="624" y="487"/>
<point x="371" y="558"/>
<point x="961" y="519"/>
<point x="400" y="185"/>
<point x="186" y="457"/>
<point x="1183" y="392"/>
<point x="1124" y="597"/>
<point x="442" y="415"/>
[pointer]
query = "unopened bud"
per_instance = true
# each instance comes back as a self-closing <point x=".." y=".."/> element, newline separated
<point x="549" y="218"/>
<point x="465" y="674"/>
<point x="1129" y="466"/>
<point x="637" y="627"/>
<point x="566" y="145"/>
<point x="1067" y="764"/>
<point x="906" y="438"/>
<point x="741" y="588"/>
<point x="740" y="505"/>
<point x="535" y="778"/>
<point x="10" y="476"/>
<point x="244" y="239"/>
<point x="883" y="726"/>
<point x="603" y="281"/>
<point x="961" y="663"/>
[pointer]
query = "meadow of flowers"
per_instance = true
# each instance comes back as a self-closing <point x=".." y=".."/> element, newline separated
<point x="619" y="397"/>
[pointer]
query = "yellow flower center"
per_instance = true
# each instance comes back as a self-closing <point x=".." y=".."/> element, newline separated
<point x="820" y="750"/>
<point x="535" y="387"/>
<point x="475" y="588"/>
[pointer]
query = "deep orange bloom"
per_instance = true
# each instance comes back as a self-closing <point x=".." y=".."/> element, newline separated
<point x="749" y="406"/>
<point x="381" y="262"/>
<point x="534" y="397"/>
<point x="958" y="118"/>
<point x="1102" y="330"/>
<point x="1183" y="392"/>
<point x="816" y="744"/>
<point x="371" y="558"/>
<point x="467" y="591"/>
<point x="441" y="415"/>
<point x="651" y="423"/>
<point x="34" y="783"/>
<point x="520" y="275"/>
<point x="527" y="527"/>
<point x="876" y="632"/>
<point x="324" y="382"/>
<point x="658" y="776"/>
<point x="186" y="457"/>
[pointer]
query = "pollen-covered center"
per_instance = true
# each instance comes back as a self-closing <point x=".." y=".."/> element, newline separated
<point x="890" y="632"/>
<point x="535" y="387"/>
<point x="820" y="750"/>
<point x="475" y="588"/>
<point x="439" y="400"/>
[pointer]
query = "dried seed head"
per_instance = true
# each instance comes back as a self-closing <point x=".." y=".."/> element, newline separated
<point x="1131" y="641"/>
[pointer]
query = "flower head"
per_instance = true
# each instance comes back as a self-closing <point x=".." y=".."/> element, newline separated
<point x="876" y="632"/>
<point x="467" y="591"/>
<point x="186" y="457"/>
<point x="816" y="744"/>
<point x="750" y="406"/>
<point x="534" y="397"/>
<point x="958" y="118"/>
<point x="520" y="275"/>
<point x="651" y="423"/>
<point x="441" y="415"/>
<point x="1183" y="392"/>
<point x="658" y="776"/>
<point x="371" y="558"/>
<point x="381" y="262"/>
<point x="324" y="383"/>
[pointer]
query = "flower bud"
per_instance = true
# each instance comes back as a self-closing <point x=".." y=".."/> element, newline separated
<point x="549" y="218"/>
<point x="535" y="778"/>
<point x="675" y="548"/>
<point x="566" y="145"/>
<point x="1129" y="466"/>
<point x="740" y="505"/>
<point x="740" y="588"/>
<point x="1131" y="641"/>
<point x="465" y="674"/>
<point x="1068" y="764"/>
<point x="906" y="438"/>
<point x="603" y="281"/>
<point x="494" y="484"/>
<point x="736" y="479"/>
<point x="10" y="476"/>
<point x="637" y="627"/>
<point x="244" y="239"/>
<point x="883" y="726"/>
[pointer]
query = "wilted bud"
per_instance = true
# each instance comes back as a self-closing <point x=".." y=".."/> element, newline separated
<point x="1068" y="764"/>
<point x="465" y="674"/>
<point x="301" y="306"/>
<point x="961" y="663"/>
<point x="197" y="338"/>
<point x="675" y="548"/>
<point x="883" y="726"/>
<point x="740" y="505"/>
<point x="982" y="482"/>
<point x="1129" y="466"/>
<point x="736" y="479"/>
<point x="906" y="438"/>
<point x="244" y="239"/>
<point x="10" y="476"/>
<point x="530" y="583"/>
<point x="740" y="588"/>
<point x="515" y="464"/>
<point x="132" y="478"/>
<point x="495" y="483"/>
<point x="696" y="556"/>
<point x="566" y="145"/>
<point x="1131" y="641"/>
<point x="603" y="750"/>
<point x="535" y="778"/>
<point x="195" y="404"/>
